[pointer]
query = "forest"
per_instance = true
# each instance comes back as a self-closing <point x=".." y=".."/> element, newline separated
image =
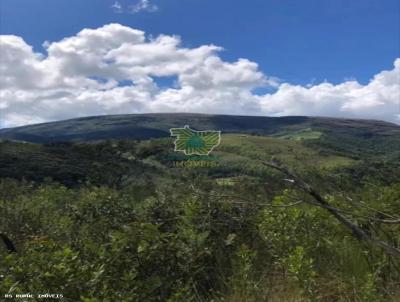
<point x="305" y="215"/>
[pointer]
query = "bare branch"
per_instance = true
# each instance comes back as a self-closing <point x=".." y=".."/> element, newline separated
<point x="356" y="231"/>
<point x="246" y="201"/>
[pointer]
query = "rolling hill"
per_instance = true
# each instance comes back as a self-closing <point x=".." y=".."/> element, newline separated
<point x="60" y="149"/>
<point x="145" y="126"/>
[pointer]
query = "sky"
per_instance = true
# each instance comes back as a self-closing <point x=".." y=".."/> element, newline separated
<point x="70" y="58"/>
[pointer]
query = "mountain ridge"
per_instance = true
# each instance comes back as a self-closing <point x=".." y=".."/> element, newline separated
<point x="157" y="125"/>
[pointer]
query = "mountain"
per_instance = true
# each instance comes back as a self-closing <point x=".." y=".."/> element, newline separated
<point x="145" y="126"/>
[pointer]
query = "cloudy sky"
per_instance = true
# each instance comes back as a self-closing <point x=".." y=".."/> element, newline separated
<point x="63" y="59"/>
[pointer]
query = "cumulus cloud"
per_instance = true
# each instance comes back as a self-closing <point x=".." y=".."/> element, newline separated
<point x="116" y="69"/>
<point x="379" y="99"/>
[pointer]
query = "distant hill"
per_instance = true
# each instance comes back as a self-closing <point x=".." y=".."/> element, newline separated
<point x="145" y="126"/>
<point x="60" y="150"/>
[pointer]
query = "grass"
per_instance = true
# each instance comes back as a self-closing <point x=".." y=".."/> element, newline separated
<point x="302" y="134"/>
<point x="293" y="152"/>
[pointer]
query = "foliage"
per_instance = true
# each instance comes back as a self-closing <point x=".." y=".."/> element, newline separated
<point x="114" y="221"/>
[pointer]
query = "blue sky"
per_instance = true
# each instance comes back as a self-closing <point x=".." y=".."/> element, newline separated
<point x="298" y="41"/>
<point x="305" y="43"/>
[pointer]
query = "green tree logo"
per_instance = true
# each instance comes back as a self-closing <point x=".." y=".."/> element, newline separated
<point x="190" y="141"/>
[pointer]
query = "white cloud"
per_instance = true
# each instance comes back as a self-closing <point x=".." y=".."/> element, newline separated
<point x="143" y="5"/>
<point x="81" y="75"/>
<point x="117" y="7"/>
<point x="137" y="7"/>
<point x="379" y="99"/>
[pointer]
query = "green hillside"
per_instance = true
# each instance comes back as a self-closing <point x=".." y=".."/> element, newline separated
<point x="104" y="209"/>
<point x="141" y="126"/>
<point x="345" y="137"/>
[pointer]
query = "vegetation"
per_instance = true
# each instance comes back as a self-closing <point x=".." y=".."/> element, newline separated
<point x="116" y="220"/>
<point x="146" y="126"/>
